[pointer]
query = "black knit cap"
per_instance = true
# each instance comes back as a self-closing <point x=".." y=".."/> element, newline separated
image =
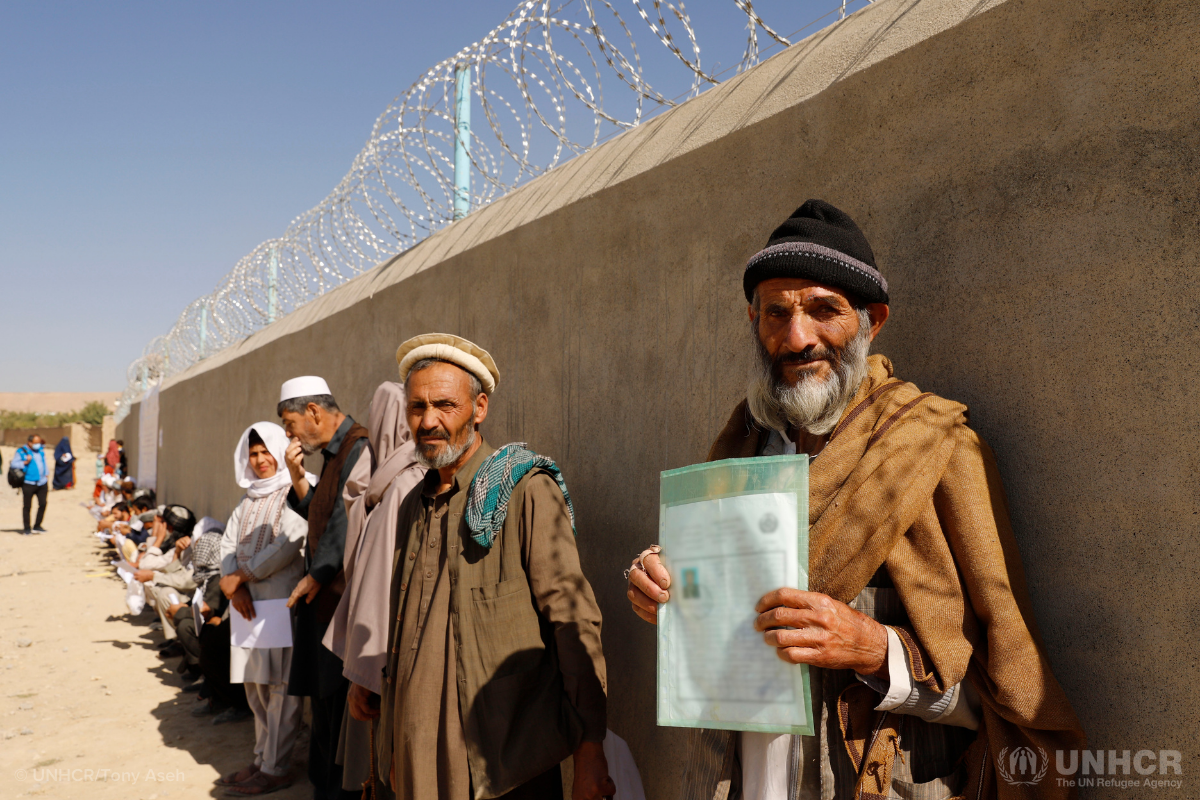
<point x="819" y="243"/>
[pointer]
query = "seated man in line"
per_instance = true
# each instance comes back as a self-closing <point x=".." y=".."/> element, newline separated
<point x="97" y="493"/>
<point x="176" y="582"/>
<point x="142" y="516"/>
<point x="108" y="497"/>
<point x="159" y="547"/>
<point x="204" y="558"/>
<point x="155" y="531"/>
<point x="490" y="591"/>
<point x="117" y="516"/>
<point x="128" y="489"/>
<point x="152" y="566"/>
<point x="206" y="650"/>
<point x="926" y="659"/>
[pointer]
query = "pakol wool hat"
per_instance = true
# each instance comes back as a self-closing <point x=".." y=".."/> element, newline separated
<point x="455" y="349"/>
<point x="819" y="243"/>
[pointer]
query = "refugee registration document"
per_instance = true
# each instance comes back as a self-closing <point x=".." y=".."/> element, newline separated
<point x="271" y="626"/>
<point x="731" y="531"/>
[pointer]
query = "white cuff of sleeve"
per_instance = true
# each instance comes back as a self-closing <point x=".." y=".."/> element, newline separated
<point x="903" y="696"/>
<point x="899" y="685"/>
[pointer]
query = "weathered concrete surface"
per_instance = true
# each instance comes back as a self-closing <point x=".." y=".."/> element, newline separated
<point x="1026" y="177"/>
<point x="127" y="432"/>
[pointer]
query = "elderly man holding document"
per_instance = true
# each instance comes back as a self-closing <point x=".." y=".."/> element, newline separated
<point x="909" y="605"/>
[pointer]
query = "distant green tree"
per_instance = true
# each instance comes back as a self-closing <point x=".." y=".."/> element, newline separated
<point x="93" y="413"/>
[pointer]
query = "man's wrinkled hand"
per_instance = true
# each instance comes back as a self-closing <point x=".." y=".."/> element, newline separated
<point x="243" y="602"/>
<point x="231" y="583"/>
<point x="294" y="459"/>
<point x="143" y="575"/>
<point x="648" y="587"/>
<point x="363" y="703"/>
<point x="592" y="781"/>
<point x="306" y="588"/>
<point x="825" y="632"/>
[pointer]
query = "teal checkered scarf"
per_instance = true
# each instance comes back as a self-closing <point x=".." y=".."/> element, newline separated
<point x="492" y="487"/>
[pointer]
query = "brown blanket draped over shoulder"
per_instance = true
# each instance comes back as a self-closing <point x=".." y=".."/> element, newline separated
<point x="904" y="482"/>
<point x="325" y="495"/>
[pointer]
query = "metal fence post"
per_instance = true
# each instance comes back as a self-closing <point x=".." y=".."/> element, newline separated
<point x="462" y="140"/>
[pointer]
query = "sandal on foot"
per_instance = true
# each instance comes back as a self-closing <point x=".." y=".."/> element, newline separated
<point x="261" y="783"/>
<point x="232" y="778"/>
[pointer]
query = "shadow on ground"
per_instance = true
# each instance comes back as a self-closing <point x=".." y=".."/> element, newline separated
<point x="226" y="747"/>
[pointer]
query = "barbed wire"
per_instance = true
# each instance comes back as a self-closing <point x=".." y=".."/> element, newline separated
<point x="539" y="79"/>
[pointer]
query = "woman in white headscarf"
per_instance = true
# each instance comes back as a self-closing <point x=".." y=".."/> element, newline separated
<point x="261" y="559"/>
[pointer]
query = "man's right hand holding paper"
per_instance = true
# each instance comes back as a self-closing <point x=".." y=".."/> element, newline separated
<point x="803" y="627"/>
<point x="648" y="584"/>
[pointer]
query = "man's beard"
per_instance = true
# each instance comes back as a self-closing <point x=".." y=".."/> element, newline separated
<point x="814" y="405"/>
<point x="309" y="449"/>
<point x="449" y="454"/>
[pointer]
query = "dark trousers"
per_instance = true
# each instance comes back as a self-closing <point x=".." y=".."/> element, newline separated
<point x="28" y="492"/>
<point x="214" y="663"/>
<point x="547" y="786"/>
<point x="323" y="769"/>
<point x="189" y="640"/>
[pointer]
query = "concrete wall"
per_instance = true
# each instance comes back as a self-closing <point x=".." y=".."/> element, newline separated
<point x="1026" y="174"/>
<point x="107" y="431"/>
<point x="127" y="432"/>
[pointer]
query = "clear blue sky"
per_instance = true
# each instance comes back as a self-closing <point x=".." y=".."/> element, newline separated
<point x="146" y="146"/>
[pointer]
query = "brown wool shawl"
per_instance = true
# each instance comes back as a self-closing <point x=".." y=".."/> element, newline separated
<point x="320" y="509"/>
<point x="904" y="482"/>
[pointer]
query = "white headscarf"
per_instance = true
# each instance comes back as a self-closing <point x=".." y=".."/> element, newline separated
<point x="277" y="443"/>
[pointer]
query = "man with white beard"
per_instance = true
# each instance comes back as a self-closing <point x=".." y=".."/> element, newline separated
<point x="917" y="627"/>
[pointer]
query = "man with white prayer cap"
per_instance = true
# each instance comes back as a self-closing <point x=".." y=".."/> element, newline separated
<point x="495" y="672"/>
<point x="314" y="423"/>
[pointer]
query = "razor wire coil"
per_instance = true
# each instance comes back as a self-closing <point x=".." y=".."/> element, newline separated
<point x="539" y="80"/>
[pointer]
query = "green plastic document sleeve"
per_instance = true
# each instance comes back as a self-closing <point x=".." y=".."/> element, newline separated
<point x="731" y="531"/>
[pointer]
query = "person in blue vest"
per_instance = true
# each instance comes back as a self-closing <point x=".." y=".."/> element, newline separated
<point x="31" y="458"/>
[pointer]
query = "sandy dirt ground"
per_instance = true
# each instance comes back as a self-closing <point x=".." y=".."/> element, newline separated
<point x="87" y="708"/>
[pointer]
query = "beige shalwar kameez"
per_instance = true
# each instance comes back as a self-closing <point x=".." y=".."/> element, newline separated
<point x="429" y="745"/>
